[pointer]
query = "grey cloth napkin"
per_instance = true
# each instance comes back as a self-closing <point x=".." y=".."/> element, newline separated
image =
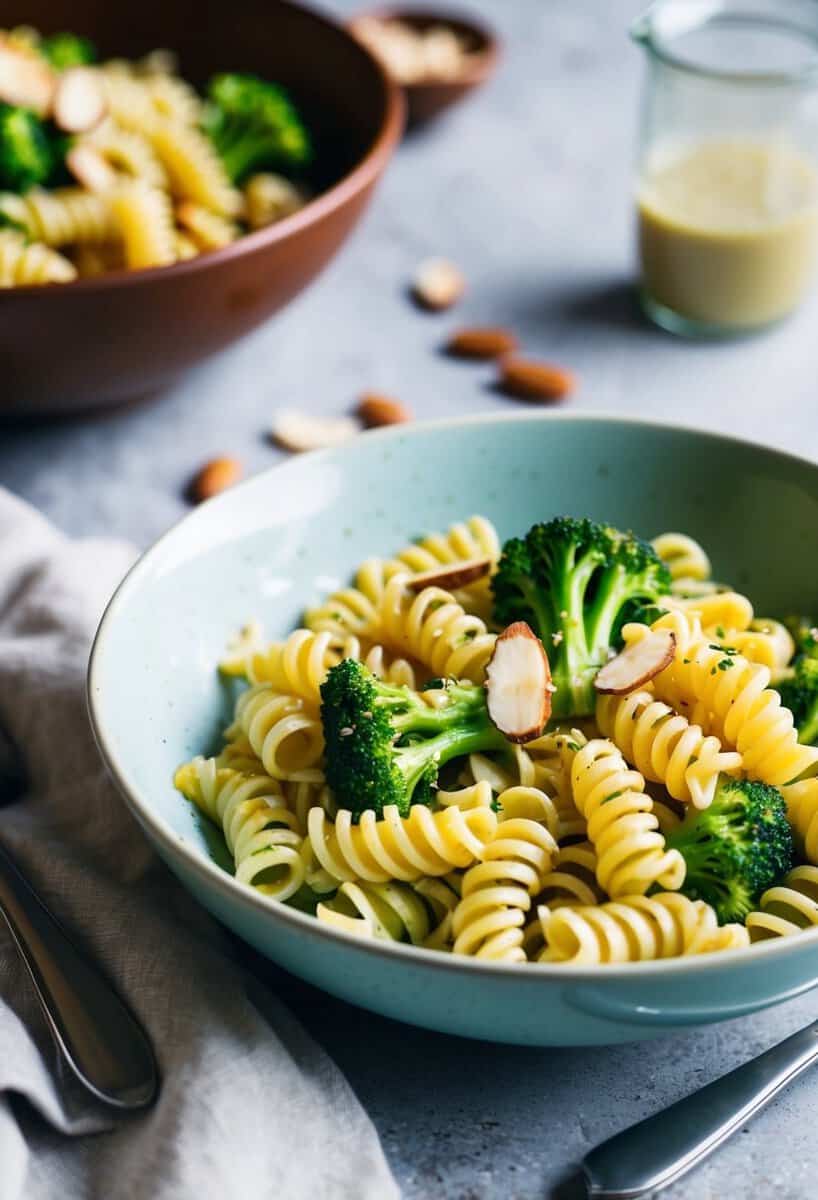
<point x="250" y="1106"/>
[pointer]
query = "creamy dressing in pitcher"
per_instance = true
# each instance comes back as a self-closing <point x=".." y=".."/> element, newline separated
<point x="728" y="231"/>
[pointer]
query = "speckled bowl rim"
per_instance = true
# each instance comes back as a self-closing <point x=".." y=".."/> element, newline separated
<point x="213" y="876"/>
<point x="360" y="176"/>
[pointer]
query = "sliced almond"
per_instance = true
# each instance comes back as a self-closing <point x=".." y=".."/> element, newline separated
<point x="375" y="410"/>
<point x="528" y="379"/>
<point x="91" y="168"/>
<point x="214" y="477"/>
<point x="438" y="284"/>
<point x="25" y="80"/>
<point x="481" y="342"/>
<point x="79" y="102"/>
<point x="458" y="575"/>
<point x="518" y="684"/>
<point x="637" y="664"/>
<point x="297" y="431"/>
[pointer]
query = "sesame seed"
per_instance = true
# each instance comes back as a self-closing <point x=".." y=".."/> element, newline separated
<point x="556" y="638"/>
<point x="347" y="731"/>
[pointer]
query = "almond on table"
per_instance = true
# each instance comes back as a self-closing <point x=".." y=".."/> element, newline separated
<point x="299" y="431"/>
<point x="214" y="477"/>
<point x="438" y="284"/>
<point x="530" y="379"/>
<point x="376" y="409"/>
<point x="518" y="684"/>
<point x="481" y="342"/>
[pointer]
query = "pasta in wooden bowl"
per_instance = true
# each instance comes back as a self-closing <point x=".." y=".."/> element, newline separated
<point x="237" y="168"/>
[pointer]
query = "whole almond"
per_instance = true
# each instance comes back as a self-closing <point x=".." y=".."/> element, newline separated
<point x="375" y="409"/>
<point x="438" y="284"/>
<point x="529" y="379"/>
<point x="487" y="341"/>
<point x="214" y="477"/>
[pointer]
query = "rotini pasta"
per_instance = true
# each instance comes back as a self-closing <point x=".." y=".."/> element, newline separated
<point x="497" y="892"/>
<point x="434" y="629"/>
<point x="633" y="929"/>
<point x="269" y="198"/>
<point x="23" y="263"/>
<point x="128" y="152"/>
<point x="664" y="747"/>
<point x="193" y="167"/>
<point x="261" y="832"/>
<point x="789" y="908"/>
<point x="406" y="848"/>
<point x="383" y="910"/>
<point x="145" y="222"/>
<point x="631" y="853"/>
<point x="282" y="732"/>
<point x="729" y="698"/>
<point x="61" y="217"/>
<point x="208" y="230"/>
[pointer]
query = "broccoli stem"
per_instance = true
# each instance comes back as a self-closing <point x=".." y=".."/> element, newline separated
<point x="452" y="742"/>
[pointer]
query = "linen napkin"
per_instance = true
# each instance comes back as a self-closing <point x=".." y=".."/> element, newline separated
<point x="249" y="1106"/>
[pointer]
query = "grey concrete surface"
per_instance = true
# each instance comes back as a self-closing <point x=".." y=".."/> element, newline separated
<point x="528" y="188"/>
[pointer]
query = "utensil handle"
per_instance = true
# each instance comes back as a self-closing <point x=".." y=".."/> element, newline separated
<point x="657" y="1151"/>
<point x="98" y="1036"/>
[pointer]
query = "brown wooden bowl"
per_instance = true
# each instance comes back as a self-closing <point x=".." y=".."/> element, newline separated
<point x="99" y="342"/>
<point x="428" y="99"/>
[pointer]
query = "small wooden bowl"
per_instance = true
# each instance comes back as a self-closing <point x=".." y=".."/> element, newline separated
<point x="426" y="100"/>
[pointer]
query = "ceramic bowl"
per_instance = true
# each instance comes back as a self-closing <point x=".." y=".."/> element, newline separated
<point x="124" y="336"/>
<point x="276" y="543"/>
<point x="427" y="99"/>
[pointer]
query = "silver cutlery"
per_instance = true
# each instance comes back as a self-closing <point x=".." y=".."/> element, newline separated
<point x="659" y="1150"/>
<point x="97" y="1035"/>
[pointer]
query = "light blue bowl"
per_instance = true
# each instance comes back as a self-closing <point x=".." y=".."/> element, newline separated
<point x="275" y="544"/>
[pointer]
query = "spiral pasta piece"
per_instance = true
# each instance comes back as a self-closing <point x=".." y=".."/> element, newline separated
<point x="789" y="908"/>
<point x="497" y="892"/>
<point x="269" y="198"/>
<point x="128" y="152"/>
<point x="145" y="222"/>
<point x="383" y="910"/>
<point x="434" y="629"/>
<point x="173" y="99"/>
<point x="729" y="697"/>
<point x="622" y="827"/>
<point x="442" y="897"/>
<point x="355" y="609"/>
<point x="193" y="167"/>
<point x="664" y="747"/>
<point x="801" y="800"/>
<point x="208" y="230"/>
<point x="573" y="880"/>
<point x="22" y="263"/>
<point x="425" y="843"/>
<point x="67" y="215"/>
<point x="683" y="556"/>
<point x="634" y="929"/>
<point x="286" y="736"/>
<point x="260" y="830"/>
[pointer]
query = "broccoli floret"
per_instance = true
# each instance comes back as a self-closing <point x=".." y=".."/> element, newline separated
<point x="64" y="50"/>
<point x="805" y="635"/>
<point x="800" y="695"/>
<point x="385" y="744"/>
<point x="735" y="849"/>
<point x="254" y="126"/>
<point x="575" y="582"/>
<point x="28" y="151"/>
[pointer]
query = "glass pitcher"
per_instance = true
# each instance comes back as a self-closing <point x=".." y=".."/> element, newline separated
<point x="727" y="188"/>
